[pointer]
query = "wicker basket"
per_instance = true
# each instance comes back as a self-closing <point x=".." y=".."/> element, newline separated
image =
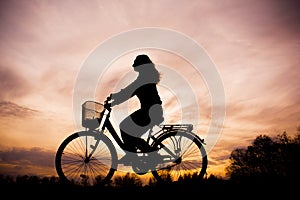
<point x="91" y="114"/>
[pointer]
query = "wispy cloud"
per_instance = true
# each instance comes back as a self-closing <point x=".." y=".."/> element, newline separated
<point x="33" y="156"/>
<point x="10" y="109"/>
<point x="22" y="161"/>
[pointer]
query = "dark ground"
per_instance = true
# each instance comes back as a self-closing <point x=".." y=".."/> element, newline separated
<point x="209" y="190"/>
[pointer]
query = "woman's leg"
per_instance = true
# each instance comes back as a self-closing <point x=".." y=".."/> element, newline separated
<point x="132" y="128"/>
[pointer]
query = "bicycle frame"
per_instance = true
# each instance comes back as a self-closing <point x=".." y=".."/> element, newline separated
<point x="106" y="123"/>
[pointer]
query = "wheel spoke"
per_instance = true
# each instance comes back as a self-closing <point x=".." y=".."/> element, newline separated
<point x="190" y="156"/>
<point x="74" y="165"/>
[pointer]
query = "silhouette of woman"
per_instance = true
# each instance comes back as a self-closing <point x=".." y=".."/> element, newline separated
<point x="150" y="113"/>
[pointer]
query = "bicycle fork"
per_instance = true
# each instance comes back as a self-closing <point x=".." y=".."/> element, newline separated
<point x="93" y="147"/>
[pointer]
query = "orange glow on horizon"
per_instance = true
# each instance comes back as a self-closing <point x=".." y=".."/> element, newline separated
<point x="44" y="45"/>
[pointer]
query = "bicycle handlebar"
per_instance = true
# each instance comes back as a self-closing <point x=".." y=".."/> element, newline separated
<point x="107" y="105"/>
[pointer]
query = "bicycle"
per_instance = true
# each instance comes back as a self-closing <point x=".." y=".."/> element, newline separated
<point x="89" y="157"/>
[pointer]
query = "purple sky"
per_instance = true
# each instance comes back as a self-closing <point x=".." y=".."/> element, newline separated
<point x="254" y="44"/>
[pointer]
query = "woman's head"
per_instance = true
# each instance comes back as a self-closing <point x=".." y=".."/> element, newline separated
<point x="146" y="68"/>
<point x="141" y="60"/>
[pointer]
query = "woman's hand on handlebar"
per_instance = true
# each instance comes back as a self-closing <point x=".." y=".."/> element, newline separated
<point x="107" y="104"/>
<point x="109" y="97"/>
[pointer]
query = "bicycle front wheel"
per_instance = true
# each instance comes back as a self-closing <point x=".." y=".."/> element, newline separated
<point x="86" y="158"/>
<point x="183" y="156"/>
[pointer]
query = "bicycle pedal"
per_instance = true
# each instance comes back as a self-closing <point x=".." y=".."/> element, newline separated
<point x="127" y="159"/>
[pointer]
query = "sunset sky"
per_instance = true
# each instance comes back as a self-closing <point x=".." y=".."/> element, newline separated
<point x="254" y="45"/>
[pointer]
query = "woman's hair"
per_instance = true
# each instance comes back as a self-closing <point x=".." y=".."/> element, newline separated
<point x="143" y="63"/>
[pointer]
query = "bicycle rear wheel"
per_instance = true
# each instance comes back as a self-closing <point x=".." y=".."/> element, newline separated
<point x="86" y="158"/>
<point x="183" y="154"/>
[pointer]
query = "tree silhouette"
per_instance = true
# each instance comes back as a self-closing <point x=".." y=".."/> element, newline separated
<point x="267" y="158"/>
<point x="127" y="180"/>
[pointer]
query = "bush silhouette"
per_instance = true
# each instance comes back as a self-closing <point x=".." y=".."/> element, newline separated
<point x="267" y="159"/>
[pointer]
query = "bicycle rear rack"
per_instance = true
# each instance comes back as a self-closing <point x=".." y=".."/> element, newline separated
<point x="187" y="127"/>
<point x="168" y="127"/>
